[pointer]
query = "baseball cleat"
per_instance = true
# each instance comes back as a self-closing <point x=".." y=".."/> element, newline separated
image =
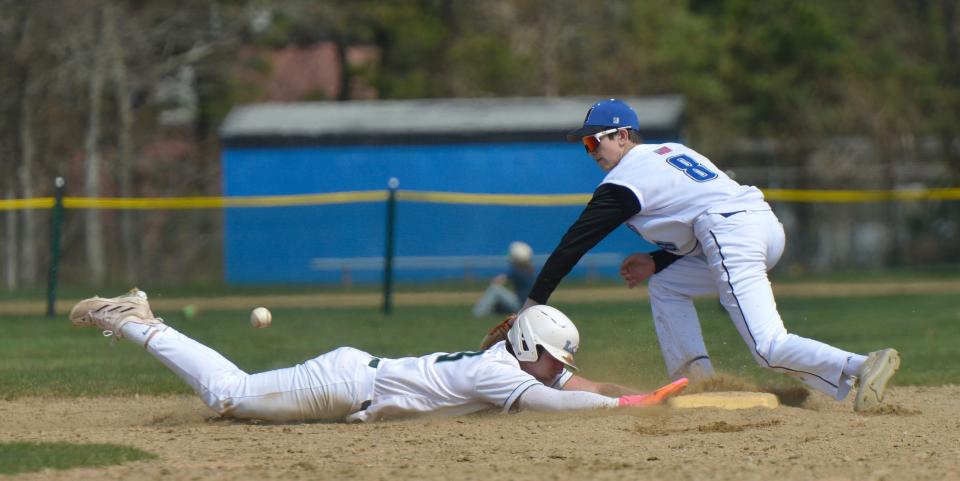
<point x="872" y="379"/>
<point x="110" y="314"/>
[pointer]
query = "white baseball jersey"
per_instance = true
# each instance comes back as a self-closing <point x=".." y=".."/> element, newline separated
<point x="729" y="238"/>
<point x="675" y="185"/>
<point x="346" y="383"/>
<point x="449" y="384"/>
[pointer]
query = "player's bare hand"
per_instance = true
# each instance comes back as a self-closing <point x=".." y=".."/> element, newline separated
<point x="636" y="268"/>
<point x="499" y="280"/>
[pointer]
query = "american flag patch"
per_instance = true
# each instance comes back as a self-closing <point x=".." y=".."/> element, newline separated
<point x="663" y="150"/>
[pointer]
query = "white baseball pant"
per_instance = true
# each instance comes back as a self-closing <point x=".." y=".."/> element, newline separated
<point x="328" y="387"/>
<point x="738" y="249"/>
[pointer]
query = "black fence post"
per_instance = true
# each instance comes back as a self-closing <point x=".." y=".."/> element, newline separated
<point x="388" y="254"/>
<point x="56" y="219"/>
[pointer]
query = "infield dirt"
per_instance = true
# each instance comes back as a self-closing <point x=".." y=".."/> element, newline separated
<point x="916" y="436"/>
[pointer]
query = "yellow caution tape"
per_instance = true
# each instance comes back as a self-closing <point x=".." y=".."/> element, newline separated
<point x="169" y="203"/>
<point x="847" y="196"/>
<point x="22" y="204"/>
<point x="493" y="199"/>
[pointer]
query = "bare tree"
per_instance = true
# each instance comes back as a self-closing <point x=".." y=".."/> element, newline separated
<point x="124" y="170"/>
<point x="553" y="35"/>
<point x="23" y="148"/>
<point x="25" y="173"/>
<point x="10" y="247"/>
<point x="951" y="77"/>
<point x="93" y="228"/>
<point x="10" y="32"/>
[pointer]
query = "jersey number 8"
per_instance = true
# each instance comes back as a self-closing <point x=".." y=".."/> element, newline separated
<point x="695" y="170"/>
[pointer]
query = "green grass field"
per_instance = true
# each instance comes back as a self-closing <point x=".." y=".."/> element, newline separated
<point x="23" y="457"/>
<point x="48" y="357"/>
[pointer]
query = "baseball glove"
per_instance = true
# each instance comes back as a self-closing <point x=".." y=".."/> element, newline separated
<point x="498" y="333"/>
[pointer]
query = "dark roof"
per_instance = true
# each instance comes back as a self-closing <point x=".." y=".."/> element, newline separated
<point x="432" y="120"/>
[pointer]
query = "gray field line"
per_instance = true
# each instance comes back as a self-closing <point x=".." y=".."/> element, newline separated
<point x="570" y="295"/>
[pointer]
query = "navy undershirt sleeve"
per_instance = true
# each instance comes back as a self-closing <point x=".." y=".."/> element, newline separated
<point x="610" y="206"/>
<point x="662" y="259"/>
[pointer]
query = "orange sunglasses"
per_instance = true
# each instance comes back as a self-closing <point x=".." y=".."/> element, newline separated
<point x="591" y="142"/>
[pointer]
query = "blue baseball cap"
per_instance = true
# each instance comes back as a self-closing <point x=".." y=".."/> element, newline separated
<point x="605" y="115"/>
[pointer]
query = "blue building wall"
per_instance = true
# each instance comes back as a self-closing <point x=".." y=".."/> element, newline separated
<point x="282" y="244"/>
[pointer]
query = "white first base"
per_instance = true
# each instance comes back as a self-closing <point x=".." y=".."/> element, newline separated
<point x="725" y="400"/>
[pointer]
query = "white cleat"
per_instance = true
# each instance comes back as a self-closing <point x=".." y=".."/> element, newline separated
<point x="872" y="379"/>
<point x="110" y="314"/>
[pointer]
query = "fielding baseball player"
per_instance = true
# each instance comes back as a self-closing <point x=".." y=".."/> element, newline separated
<point x="526" y="371"/>
<point x="714" y="235"/>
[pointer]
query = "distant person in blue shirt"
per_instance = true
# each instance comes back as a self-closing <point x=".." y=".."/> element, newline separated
<point x="508" y="290"/>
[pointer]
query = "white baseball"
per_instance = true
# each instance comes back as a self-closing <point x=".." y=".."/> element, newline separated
<point x="260" y="317"/>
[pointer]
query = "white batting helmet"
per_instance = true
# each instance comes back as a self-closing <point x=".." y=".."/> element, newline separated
<point x="548" y="328"/>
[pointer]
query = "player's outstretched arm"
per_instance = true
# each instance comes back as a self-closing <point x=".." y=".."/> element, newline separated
<point x="580" y="383"/>
<point x="542" y="398"/>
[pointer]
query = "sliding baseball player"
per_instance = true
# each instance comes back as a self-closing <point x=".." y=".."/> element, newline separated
<point x="531" y="370"/>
